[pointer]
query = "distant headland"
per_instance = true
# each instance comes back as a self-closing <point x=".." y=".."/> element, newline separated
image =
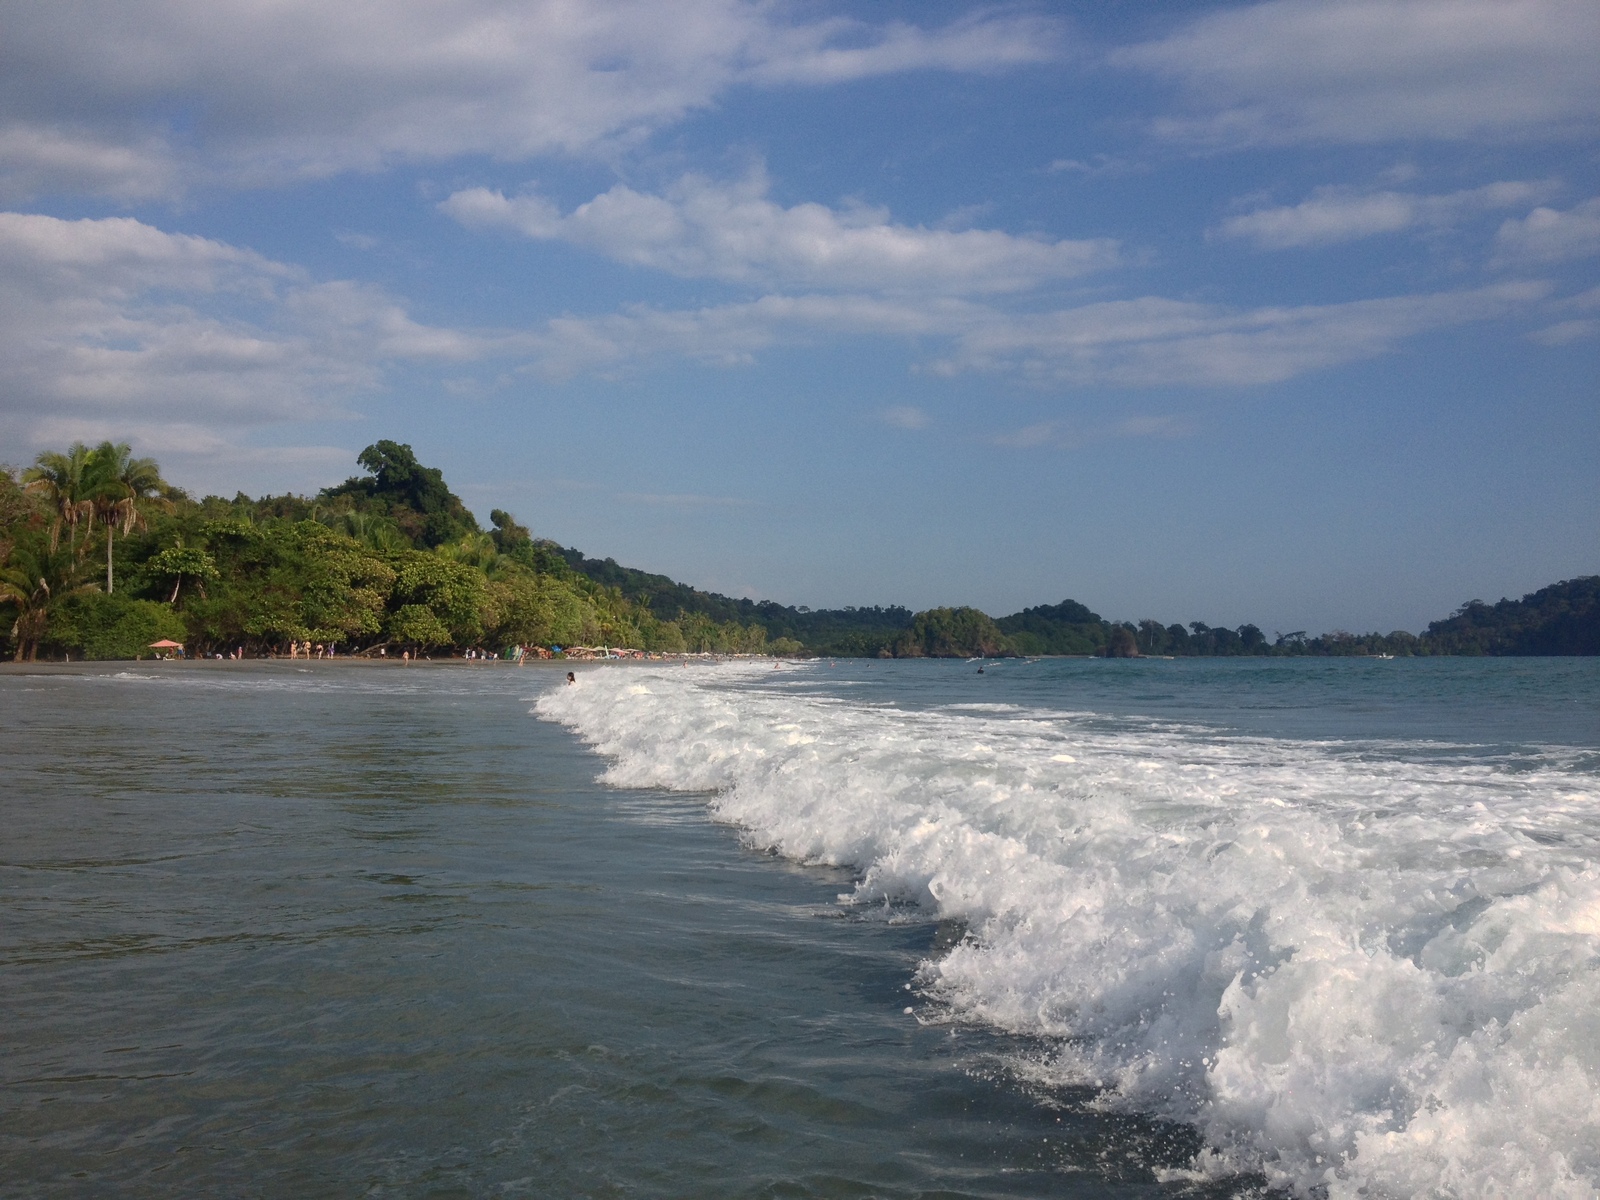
<point x="101" y="558"/>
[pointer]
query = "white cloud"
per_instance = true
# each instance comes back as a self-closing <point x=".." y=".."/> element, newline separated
<point x="1547" y="236"/>
<point x="702" y="229"/>
<point x="1338" y="214"/>
<point x="1147" y="342"/>
<point x="732" y="334"/>
<point x="136" y="98"/>
<point x="112" y="324"/>
<point x="37" y="158"/>
<point x="983" y="41"/>
<point x="1378" y="70"/>
<point x="1153" y="341"/>
<point x="1563" y="333"/>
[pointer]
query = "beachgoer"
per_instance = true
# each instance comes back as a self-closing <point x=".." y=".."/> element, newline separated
<point x="571" y="678"/>
<point x="406" y="657"/>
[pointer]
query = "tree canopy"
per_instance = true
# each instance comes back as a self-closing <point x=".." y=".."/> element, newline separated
<point x="413" y="496"/>
<point x="394" y="559"/>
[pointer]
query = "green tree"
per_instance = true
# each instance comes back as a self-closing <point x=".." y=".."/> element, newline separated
<point x="180" y="562"/>
<point x="415" y="496"/>
<point x="61" y="480"/>
<point x="508" y="535"/>
<point x="116" y="486"/>
<point x="36" y="578"/>
<point x="99" y="626"/>
<point x="951" y="633"/>
<point x="455" y="594"/>
<point x="20" y="511"/>
<point x="288" y="581"/>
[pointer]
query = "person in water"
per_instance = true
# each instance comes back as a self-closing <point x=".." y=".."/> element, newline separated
<point x="571" y="678"/>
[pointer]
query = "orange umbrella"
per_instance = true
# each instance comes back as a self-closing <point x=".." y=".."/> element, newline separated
<point x="166" y="644"/>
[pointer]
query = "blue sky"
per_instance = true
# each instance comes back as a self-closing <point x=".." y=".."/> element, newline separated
<point x="1282" y="312"/>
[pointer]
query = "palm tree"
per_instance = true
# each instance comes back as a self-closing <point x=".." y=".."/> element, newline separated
<point x="117" y="485"/>
<point x="33" y="580"/>
<point x="60" y="479"/>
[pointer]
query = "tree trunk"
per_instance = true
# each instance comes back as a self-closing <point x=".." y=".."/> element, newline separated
<point x="110" y="534"/>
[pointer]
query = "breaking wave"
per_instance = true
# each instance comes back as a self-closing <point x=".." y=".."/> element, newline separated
<point x="1364" y="968"/>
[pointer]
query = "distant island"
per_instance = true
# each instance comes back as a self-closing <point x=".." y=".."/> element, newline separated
<point x="100" y="558"/>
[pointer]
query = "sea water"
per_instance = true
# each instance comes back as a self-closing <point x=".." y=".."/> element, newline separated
<point x="1062" y="928"/>
<point x="1342" y="918"/>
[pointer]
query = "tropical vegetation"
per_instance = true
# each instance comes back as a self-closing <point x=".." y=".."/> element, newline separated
<point x="389" y="562"/>
<point x="100" y="557"/>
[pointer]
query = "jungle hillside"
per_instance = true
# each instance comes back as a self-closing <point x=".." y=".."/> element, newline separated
<point x="101" y="557"/>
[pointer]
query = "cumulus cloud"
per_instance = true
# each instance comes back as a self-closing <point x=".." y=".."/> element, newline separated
<point x="114" y="324"/>
<point x="702" y="229"/>
<point x="1338" y="214"/>
<point x="1366" y="71"/>
<point x="134" y="98"/>
<point x="1548" y="236"/>
<point x="43" y="158"/>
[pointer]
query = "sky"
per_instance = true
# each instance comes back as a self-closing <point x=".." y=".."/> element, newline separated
<point x="1283" y="312"/>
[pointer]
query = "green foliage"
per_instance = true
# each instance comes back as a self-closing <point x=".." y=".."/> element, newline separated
<point x="179" y="563"/>
<point x="36" y="578"/>
<point x="413" y="496"/>
<point x="396" y="559"/>
<point x="60" y="480"/>
<point x="284" y="582"/>
<point x="95" y="625"/>
<point x="841" y="631"/>
<point x="1563" y="618"/>
<point x="951" y="633"/>
<point x="452" y="593"/>
<point x="1065" y="628"/>
<point x="116" y="490"/>
<point x="21" y="512"/>
<point x="508" y="535"/>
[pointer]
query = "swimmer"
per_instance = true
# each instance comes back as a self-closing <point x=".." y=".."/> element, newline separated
<point x="571" y="678"/>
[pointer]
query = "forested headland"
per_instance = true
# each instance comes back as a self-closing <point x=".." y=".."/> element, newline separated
<point x="100" y="557"/>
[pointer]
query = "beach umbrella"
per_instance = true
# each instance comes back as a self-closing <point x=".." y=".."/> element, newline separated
<point x="166" y="644"/>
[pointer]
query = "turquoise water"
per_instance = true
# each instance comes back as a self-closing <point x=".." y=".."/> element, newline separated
<point x="335" y="929"/>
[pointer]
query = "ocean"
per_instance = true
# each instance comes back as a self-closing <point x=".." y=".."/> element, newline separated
<point x="1061" y="928"/>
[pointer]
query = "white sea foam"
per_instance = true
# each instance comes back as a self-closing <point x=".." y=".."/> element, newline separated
<point x="1367" y="968"/>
